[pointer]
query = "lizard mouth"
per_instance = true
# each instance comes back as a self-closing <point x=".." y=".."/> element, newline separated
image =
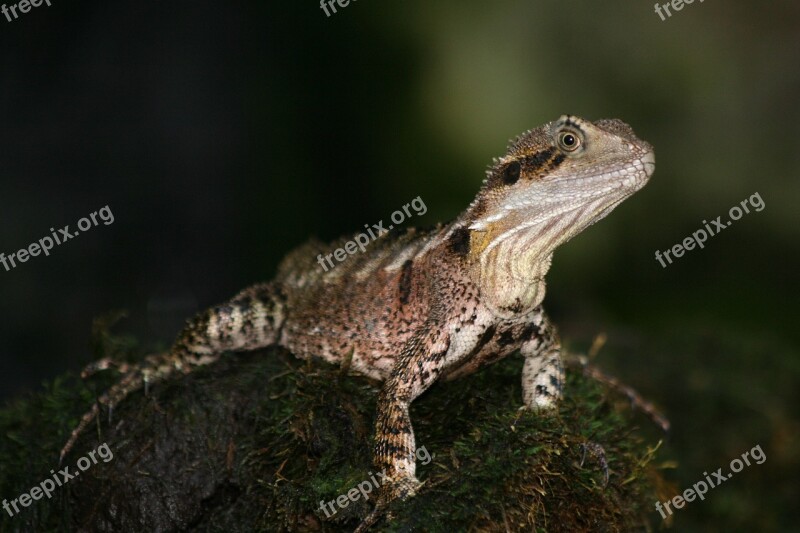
<point x="643" y="168"/>
<point x="649" y="162"/>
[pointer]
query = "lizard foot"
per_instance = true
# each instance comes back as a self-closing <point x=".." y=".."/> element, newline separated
<point x="400" y="488"/>
<point x="598" y="454"/>
<point x="104" y="364"/>
<point x="131" y="381"/>
<point x="154" y="368"/>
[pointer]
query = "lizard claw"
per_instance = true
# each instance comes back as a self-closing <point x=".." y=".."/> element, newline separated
<point x="599" y="454"/>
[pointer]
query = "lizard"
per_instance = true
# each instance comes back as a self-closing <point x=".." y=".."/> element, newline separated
<point x="419" y="306"/>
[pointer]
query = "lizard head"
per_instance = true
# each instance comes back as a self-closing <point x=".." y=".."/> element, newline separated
<point x="555" y="181"/>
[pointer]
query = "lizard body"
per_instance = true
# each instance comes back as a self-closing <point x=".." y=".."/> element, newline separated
<point x="419" y="306"/>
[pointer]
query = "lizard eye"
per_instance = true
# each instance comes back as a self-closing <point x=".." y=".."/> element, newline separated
<point x="568" y="141"/>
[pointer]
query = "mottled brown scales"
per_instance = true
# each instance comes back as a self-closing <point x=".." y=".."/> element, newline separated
<point x="419" y="306"/>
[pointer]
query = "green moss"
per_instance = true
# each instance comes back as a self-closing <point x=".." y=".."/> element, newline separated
<point x="257" y="441"/>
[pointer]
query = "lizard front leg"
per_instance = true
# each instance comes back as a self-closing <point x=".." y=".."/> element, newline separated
<point x="395" y="446"/>
<point x="543" y="379"/>
<point x="543" y="372"/>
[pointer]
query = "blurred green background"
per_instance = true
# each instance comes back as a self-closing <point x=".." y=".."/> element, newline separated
<point x="224" y="135"/>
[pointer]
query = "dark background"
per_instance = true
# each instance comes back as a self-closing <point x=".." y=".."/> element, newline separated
<point x="222" y="135"/>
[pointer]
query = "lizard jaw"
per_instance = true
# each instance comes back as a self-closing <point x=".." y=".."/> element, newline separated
<point x="565" y="206"/>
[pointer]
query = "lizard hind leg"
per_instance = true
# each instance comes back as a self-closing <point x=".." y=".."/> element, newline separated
<point x="252" y="319"/>
<point x="155" y="368"/>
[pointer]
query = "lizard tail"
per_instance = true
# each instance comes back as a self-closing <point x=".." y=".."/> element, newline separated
<point x="251" y="320"/>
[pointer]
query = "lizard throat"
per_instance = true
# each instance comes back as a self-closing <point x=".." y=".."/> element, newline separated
<point x="518" y="246"/>
<point x="511" y="262"/>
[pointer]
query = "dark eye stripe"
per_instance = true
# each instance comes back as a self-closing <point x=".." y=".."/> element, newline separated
<point x="511" y="173"/>
<point x="538" y="160"/>
<point x="460" y="241"/>
<point x="540" y="163"/>
<point x="535" y="165"/>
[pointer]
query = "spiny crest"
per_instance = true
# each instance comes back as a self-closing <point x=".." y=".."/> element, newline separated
<point x="497" y="164"/>
<point x="533" y="140"/>
<point x="526" y="143"/>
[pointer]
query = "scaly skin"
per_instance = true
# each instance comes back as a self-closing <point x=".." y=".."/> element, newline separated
<point x="419" y="306"/>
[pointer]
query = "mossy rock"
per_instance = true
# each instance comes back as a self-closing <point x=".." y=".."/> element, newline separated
<point x="256" y="441"/>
